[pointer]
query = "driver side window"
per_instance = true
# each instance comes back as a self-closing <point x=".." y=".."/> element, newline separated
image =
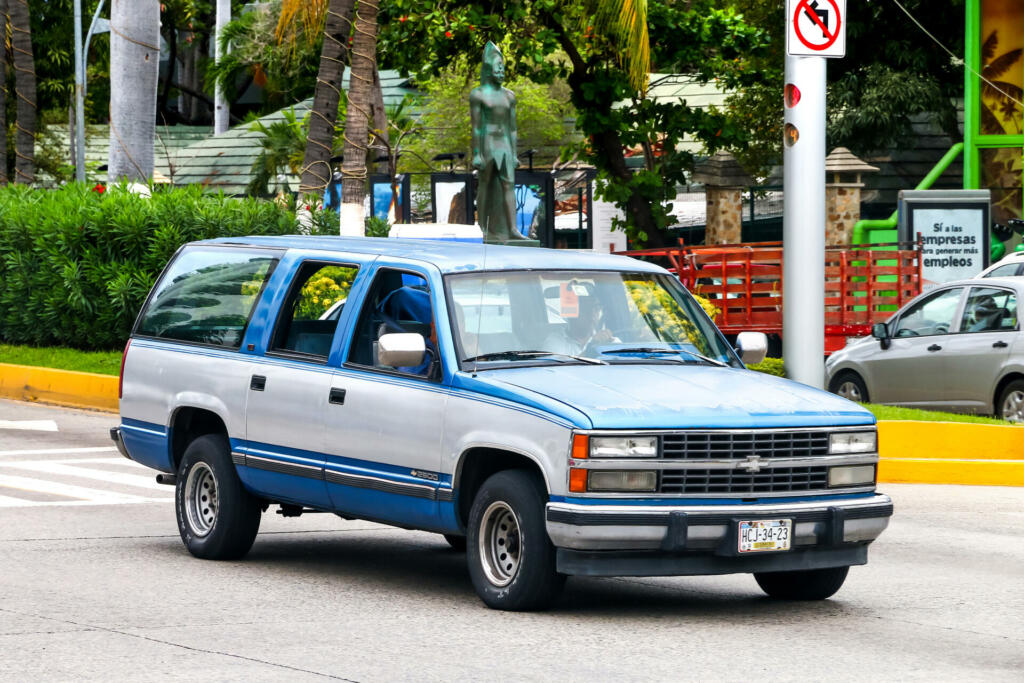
<point x="932" y="315"/>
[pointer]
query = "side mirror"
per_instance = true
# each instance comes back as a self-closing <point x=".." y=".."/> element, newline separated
<point x="401" y="350"/>
<point x="753" y="347"/>
<point x="880" y="331"/>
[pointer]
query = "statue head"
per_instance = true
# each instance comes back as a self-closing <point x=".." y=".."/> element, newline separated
<point x="492" y="69"/>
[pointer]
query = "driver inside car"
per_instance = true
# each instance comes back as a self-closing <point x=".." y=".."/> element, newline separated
<point x="583" y="332"/>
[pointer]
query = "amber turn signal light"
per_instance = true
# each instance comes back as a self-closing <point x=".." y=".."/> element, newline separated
<point x="580" y="446"/>
<point x="577" y="480"/>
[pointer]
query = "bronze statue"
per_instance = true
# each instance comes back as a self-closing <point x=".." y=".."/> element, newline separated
<point x="492" y="110"/>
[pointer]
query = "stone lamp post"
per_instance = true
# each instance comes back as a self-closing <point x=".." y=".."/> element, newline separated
<point x="724" y="182"/>
<point x="842" y="194"/>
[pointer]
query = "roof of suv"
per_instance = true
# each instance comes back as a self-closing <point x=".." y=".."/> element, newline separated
<point x="451" y="257"/>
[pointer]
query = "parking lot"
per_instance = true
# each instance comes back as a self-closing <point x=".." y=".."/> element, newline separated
<point x="97" y="585"/>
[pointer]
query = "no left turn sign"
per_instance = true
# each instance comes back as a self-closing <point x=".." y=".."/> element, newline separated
<point x="816" y="28"/>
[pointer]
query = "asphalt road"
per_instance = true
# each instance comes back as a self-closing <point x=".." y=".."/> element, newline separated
<point x="96" y="585"/>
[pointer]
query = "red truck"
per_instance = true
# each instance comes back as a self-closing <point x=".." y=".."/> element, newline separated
<point x="863" y="285"/>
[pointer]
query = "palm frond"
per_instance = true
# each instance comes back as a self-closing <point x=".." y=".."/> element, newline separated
<point x="300" y="19"/>
<point x="999" y="65"/>
<point x="624" y="22"/>
<point x="988" y="50"/>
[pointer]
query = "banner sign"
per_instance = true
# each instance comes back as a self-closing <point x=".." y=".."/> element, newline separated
<point x="954" y="227"/>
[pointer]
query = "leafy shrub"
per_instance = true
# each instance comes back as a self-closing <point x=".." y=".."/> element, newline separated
<point x="770" y="366"/>
<point x="76" y="265"/>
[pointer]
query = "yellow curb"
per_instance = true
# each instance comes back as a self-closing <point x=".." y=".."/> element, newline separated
<point x="63" y="387"/>
<point x="915" y="452"/>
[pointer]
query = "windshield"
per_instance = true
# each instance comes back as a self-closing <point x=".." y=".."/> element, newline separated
<point x="579" y="317"/>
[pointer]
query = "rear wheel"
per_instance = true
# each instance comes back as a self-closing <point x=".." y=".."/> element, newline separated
<point x="849" y="385"/>
<point x="811" y="584"/>
<point x="217" y="518"/>
<point x="1011" y="402"/>
<point x="511" y="559"/>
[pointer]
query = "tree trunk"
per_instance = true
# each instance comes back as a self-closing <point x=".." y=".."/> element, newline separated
<point x="380" y="144"/>
<point x="221" y="108"/>
<point x="172" y="64"/>
<point x="359" y="114"/>
<point x="4" y="18"/>
<point x="316" y="164"/>
<point x="24" y="90"/>
<point x="134" y="72"/>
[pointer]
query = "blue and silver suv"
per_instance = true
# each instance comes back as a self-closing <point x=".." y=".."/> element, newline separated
<point x="553" y="413"/>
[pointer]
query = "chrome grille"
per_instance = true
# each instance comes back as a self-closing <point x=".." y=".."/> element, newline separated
<point x="769" y="480"/>
<point x="739" y="445"/>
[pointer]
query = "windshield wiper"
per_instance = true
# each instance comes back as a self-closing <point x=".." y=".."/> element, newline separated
<point x="516" y="355"/>
<point x="663" y="350"/>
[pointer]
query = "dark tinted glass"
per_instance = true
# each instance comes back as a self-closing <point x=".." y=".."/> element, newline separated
<point x="206" y="296"/>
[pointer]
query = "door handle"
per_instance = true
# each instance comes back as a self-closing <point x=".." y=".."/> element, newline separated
<point x="337" y="397"/>
<point x="934" y="347"/>
<point x="258" y="383"/>
<point x="1000" y="345"/>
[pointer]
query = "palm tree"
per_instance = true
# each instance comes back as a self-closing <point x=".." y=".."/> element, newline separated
<point x="359" y="114"/>
<point x="337" y="20"/>
<point x="3" y="92"/>
<point x="134" y="71"/>
<point x="24" y="90"/>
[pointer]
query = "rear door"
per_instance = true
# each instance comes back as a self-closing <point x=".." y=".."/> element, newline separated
<point x="981" y="347"/>
<point x="912" y="369"/>
<point x="289" y="386"/>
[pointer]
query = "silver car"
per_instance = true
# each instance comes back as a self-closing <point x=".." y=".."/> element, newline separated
<point x="957" y="347"/>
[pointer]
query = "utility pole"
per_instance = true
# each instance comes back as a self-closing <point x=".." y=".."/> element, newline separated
<point x="815" y="31"/>
<point x="79" y="96"/>
<point x="220" y="109"/>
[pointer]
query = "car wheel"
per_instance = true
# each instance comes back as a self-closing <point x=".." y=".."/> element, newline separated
<point x="217" y="518"/>
<point x="456" y="542"/>
<point x="511" y="559"/>
<point x="849" y="385"/>
<point x="811" y="584"/>
<point x="1011" y="402"/>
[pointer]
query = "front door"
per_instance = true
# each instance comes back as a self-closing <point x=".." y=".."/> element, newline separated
<point x="913" y="368"/>
<point x="384" y="424"/>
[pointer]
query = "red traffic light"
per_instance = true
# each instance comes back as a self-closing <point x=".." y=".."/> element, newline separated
<point x="792" y="95"/>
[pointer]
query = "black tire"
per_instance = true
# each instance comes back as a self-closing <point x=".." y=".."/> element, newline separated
<point x="853" y="381"/>
<point x="458" y="543"/>
<point x="810" y="584"/>
<point x="525" y="578"/>
<point x="225" y="530"/>
<point x="1005" y="410"/>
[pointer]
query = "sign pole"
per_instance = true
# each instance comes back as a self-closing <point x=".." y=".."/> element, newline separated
<point x="803" y="221"/>
<point x="79" y="151"/>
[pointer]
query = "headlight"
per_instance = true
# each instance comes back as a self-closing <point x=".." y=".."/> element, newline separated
<point x="851" y="475"/>
<point x="841" y="443"/>
<point x="630" y="480"/>
<point x="624" y="447"/>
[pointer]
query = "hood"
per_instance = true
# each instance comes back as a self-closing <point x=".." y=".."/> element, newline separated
<point x="682" y="396"/>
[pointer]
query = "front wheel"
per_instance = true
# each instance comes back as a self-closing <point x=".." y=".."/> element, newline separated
<point x="810" y="584"/>
<point x="849" y="385"/>
<point x="217" y="518"/>
<point x="511" y="559"/>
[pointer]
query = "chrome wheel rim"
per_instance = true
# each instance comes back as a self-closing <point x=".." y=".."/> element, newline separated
<point x="500" y="544"/>
<point x="850" y="390"/>
<point x="201" y="501"/>
<point x="1013" y="406"/>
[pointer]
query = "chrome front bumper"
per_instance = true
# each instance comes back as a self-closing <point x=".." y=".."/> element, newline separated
<point x="820" y="523"/>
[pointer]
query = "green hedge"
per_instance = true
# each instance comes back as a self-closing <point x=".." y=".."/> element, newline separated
<point x="771" y="366"/>
<point x="76" y="265"/>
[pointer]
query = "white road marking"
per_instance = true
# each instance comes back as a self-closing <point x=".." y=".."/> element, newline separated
<point x="30" y="425"/>
<point x="69" y="490"/>
<point x="63" y="467"/>
<point x="60" y="451"/>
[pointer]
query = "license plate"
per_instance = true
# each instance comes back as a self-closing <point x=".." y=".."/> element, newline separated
<point x="765" y="535"/>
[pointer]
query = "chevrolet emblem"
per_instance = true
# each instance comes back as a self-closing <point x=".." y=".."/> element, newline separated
<point x="752" y="464"/>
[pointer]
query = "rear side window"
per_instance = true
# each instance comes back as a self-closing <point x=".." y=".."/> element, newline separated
<point x="313" y="308"/>
<point x="207" y="295"/>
